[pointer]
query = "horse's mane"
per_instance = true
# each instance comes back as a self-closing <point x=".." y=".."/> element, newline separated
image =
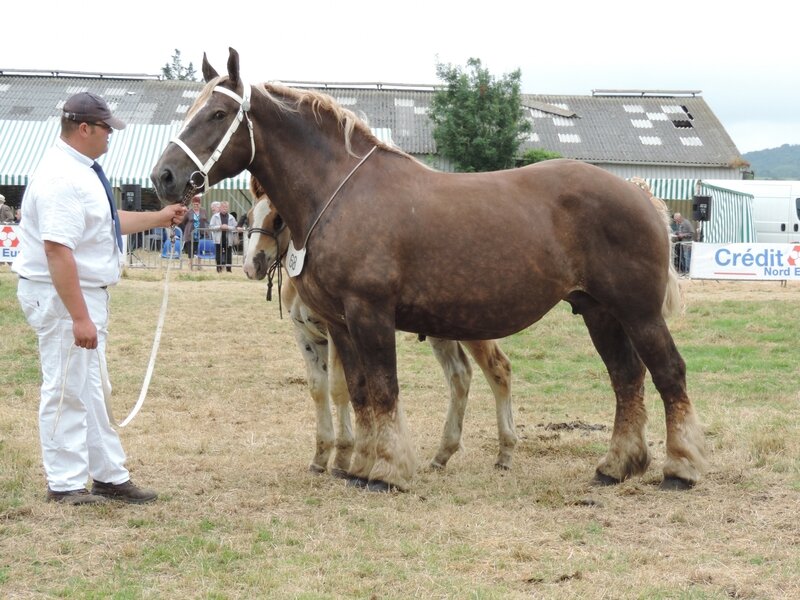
<point x="291" y="99"/>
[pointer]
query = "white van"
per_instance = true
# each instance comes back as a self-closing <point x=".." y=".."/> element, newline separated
<point x="776" y="207"/>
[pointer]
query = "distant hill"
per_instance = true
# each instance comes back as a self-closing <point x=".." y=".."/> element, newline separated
<point x="775" y="163"/>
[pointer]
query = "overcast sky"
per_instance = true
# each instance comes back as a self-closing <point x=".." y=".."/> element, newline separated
<point x="744" y="60"/>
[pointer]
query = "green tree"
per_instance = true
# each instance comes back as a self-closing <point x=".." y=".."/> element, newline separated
<point x="176" y="70"/>
<point x="478" y="120"/>
<point x="535" y="155"/>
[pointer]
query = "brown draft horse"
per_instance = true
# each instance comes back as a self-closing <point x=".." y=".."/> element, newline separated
<point x="386" y="243"/>
<point x="268" y="241"/>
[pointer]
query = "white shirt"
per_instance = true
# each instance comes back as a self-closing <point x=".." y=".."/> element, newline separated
<point x="65" y="202"/>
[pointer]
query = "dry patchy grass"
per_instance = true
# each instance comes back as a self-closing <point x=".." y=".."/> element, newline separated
<point x="226" y="435"/>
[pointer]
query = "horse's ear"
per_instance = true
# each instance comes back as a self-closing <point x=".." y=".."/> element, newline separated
<point x="209" y="72"/>
<point x="233" y="66"/>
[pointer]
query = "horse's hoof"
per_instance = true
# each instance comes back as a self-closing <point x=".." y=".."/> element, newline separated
<point x="436" y="466"/>
<point x="316" y="469"/>
<point x="676" y="484"/>
<point x="601" y="479"/>
<point x="376" y="485"/>
<point x="356" y="482"/>
<point x="339" y="473"/>
<point x="502" y="467"/>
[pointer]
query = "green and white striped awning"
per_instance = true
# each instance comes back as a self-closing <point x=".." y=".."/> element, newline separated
<point x="731" y="212"/>
<point x="731" y="216"/>
<point x="672" y="189"/>
<point x="131" y="155"/>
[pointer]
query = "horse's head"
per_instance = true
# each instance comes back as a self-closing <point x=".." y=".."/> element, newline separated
<point x="268" y="234"/>
<point x="200" y="155"/>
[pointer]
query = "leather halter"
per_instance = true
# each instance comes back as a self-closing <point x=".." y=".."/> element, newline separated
<point x="204" y="168"/>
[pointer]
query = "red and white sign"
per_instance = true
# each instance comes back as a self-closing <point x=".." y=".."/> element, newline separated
<point x="9" y="242"/>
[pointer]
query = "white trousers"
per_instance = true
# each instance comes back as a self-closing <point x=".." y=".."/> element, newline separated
<point x="80" y="443"/>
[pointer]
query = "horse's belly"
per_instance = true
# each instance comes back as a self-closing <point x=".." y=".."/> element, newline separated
<point x="469" y="321"/>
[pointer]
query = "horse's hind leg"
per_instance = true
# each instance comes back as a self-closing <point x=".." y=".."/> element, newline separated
<point x="458" y="374"/>
<point x="686" y="453"/>
<point x="341" y="399"/>
<point x="497" y="369"/>
<point x="628" y="453"/>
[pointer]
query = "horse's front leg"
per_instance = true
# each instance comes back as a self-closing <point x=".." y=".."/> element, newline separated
<point x="341" y="399"/>
<point x="315" y="352"/>
<point x="458" y="374"/>
<point x="383" y="456"/>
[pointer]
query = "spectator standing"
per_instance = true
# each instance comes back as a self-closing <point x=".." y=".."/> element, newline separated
<point x="6" y="212"/>
<point x="223" y="227"/>
<point x="194" y="225"/>
<point x="70" y="252"/>
<point x="684" y="235"/>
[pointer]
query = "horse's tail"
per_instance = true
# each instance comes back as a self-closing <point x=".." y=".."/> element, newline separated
<point x="673" y="298"/>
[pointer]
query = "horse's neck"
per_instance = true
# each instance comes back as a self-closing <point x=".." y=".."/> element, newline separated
<point x="300" y="165"/>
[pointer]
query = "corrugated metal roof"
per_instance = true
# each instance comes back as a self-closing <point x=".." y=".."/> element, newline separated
<point x="631" y="130"/>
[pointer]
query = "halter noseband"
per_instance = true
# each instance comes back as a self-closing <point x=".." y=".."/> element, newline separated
<point x="244" y="108"/>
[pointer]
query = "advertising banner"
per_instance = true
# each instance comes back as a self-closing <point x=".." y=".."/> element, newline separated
<point x="9" y="242"/>
<point x="745" y="261"/>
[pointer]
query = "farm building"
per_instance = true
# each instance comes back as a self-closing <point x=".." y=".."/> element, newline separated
<point x="649" y="134"/>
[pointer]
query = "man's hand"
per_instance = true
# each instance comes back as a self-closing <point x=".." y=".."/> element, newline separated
<point x="173" y="214"/>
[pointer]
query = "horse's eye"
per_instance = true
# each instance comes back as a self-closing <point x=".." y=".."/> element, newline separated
<point x="278" y="224"/>
<point x="219" y="115"/>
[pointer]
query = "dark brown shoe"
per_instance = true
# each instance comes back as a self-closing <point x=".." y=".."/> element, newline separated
<point x="125" y="492"/>
<point x="74" y="497"/>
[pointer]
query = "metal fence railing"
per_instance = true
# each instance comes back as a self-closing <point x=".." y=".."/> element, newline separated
<point x="158" y="247"/>
<point x="682" y="257"/>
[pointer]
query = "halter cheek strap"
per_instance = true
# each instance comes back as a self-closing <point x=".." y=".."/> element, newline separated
<point x="244" y="109"/>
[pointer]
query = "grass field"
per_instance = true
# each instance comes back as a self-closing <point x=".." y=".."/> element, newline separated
<point x="226" y="435"/>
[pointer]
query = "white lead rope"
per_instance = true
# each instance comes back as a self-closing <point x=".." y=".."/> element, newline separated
<point x="104" y="369"/>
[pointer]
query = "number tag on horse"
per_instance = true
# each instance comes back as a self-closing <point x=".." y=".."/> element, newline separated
<point x="294" y="260"/>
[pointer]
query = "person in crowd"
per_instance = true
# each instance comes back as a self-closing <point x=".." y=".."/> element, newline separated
<point x="223" y="228"/>
<point x="6" y="212"/>
<point x="70" y="253"/>
<point x="17" y="215"/>
<point x="684" y="233"/>
<point x="195" y="224"/>
<point x="214" y="207"/>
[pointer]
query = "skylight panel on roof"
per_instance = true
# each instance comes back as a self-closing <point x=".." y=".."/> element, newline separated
<point x="407" y="102"/>
<point x="346" y="100"/>
<point x="562" y="122"/>
<point x="182" y="109"/>
<point x="5" y="87"/>
<point x="633" y="108"/>
<point x="642" y="123"/>
<point x="652" y="140"/>
<point x="671" y="109"/>
<point x="691" y="141"/>
<point x="190" y="93"/>
<point x="569" y="138"/>
<point x="420" y="110"/>
<point x="532" y="137"/>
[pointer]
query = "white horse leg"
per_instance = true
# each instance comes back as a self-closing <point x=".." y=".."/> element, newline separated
<point x="497" y="369"/>
<point x="458" y="374"/>
<point x="314" y="354"/>
<point x="341" y="399"/>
